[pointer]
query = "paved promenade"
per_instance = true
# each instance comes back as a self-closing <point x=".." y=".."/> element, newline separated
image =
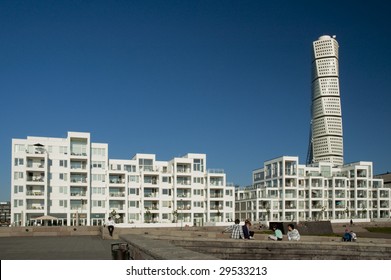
<point x="56" y="248"/>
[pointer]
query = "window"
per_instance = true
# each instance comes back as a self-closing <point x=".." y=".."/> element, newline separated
<point x="63" y="203"/>
<point x="63" y="190"/>
<point x="166" y="179"/>
<point x="19" y="148"/>
<point x="133" y="178"/>
<point x="198" y="165"/>
<point x="64" y="163"/>
<point x="198" y="192"/>
<point x="18" y="161"/>
<point x="63" y="176"/>
<point x="198" y="180"/>
<point x="98" y="203"/>
<point x="166" y="191"/>
<point x="166" y="204"/>
<point x="63" y="150"/>
<point x="98" y="177"/>
<point x="198" y="204"/>
<point x="18" y="175"/>
<point x="98" y="164"/>
<point x="133" y="204"/>
<point x="130" y="168"/>
<point x="134" y="191"/>
<point x="99" y="152"/>
<point x="145" y="164"/>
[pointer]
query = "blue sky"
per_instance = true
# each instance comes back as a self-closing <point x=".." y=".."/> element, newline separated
<point x="231" y="79"/>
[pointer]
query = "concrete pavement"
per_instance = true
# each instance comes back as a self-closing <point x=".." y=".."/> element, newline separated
<point x="56" y="248"/>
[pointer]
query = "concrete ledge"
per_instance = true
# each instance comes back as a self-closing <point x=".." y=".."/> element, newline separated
<point x="145" y="247"/>
<point x="49" y="231"/>
<point x="160" y="244"/>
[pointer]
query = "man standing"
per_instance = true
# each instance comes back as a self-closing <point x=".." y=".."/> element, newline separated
<point x="110" y="226"/>
<point x="236" y="230"/>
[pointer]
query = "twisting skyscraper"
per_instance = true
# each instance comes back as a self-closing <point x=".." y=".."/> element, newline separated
<point x="326" y="142"/>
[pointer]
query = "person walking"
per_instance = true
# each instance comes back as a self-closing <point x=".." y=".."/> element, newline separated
<point x="110" y="225"/>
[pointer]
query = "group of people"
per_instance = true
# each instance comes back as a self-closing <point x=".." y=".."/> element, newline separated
<point x="243" y="231"/>
<point x="349" y="236"/>
<point x="293" y="234"/>
<point x="240" y="232"/>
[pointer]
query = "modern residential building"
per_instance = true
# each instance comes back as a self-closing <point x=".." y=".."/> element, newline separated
<point x="325" y="188"/>
<point x="74" y="181"/>
<point x="326" y="137"/>
<point x="284" y="190"/>
<point x="5" y="213"/>
<point x="386" y="178"/>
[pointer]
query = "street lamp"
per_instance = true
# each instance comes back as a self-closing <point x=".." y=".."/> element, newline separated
<point x="181" y="214"/>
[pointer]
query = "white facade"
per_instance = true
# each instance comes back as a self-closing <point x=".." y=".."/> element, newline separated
<point x="326" y="143"/>
<point x="284" y="190"/>
<point x="73" y="180"/>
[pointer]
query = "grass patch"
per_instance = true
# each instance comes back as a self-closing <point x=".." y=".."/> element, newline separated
<point x="379" y="229"/>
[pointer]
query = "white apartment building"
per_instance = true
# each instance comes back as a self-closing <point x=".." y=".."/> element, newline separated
<point x="74" y="181"/>
<point x="284" y="190"/>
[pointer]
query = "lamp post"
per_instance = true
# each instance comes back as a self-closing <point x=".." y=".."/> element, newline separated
<point x="181" y="214"/>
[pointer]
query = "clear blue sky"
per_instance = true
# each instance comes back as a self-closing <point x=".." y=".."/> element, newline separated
<point x="231" y="79"/>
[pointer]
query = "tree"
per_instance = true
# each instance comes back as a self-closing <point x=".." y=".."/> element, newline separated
<point x="219" y="215"/>
<point x="148" y="216"/>
<point x="175" y="214"/>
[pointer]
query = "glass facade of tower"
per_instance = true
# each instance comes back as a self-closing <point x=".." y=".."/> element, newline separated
<point x="326" y="137"/>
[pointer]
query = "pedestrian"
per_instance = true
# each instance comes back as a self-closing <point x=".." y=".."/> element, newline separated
<point x="110" y="226"/>
<point x="293" y="234"/>
<point x="236" y="230"/>
<point x="277" y="236"/>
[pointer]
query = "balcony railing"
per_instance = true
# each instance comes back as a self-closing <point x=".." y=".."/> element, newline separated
<point x="79" y="180"/>
<point x="35" y="179"/>
<point x="35" y="207"/>
<point x="117" y="194"/>
<point x="35" y="193"/>
<point x="78" y="194"/>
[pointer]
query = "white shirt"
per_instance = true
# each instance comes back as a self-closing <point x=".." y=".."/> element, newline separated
<point x="110" y="223"/>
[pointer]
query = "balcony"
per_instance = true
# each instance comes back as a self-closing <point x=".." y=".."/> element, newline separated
<point x="35" y="207"/>
<point x="36" y="178"/>
<point x="184" y="195"/>
<point x="78" y="179"/>
<point x="78" y="166"/>
<point x="151" y="195"/>
<point x="117" y="194"/>
<point x="216" y="195"/>
<point x="78" y="193"/>
<point x="35" y="193"/>
<point x="183" y="168"/>
<point x="117" y="179"/>
<point x="183" y="182"/>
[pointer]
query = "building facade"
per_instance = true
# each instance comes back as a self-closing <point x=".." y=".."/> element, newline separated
<point x="284" y="190"/>
<point x="74" y="181"/>
<point x="5" y="213"/>
<point x="326" y="137"/>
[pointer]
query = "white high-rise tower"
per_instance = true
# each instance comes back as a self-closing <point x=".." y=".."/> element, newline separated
<point x="326" y="139"/>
